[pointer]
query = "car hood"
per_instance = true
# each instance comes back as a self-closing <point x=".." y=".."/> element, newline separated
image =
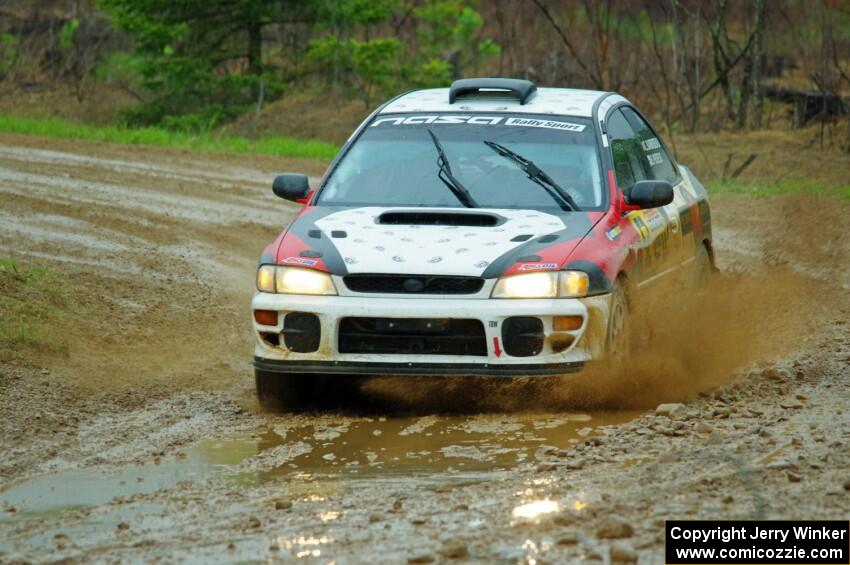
<point x="434" y="241"/>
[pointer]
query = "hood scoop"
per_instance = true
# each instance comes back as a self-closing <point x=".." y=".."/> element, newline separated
<point x="434" y="218"/>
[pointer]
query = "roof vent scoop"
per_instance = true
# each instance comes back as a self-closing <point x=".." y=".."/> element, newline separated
<point x="523" y="90"/>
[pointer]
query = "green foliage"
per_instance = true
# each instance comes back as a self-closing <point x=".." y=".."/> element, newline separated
<point x="372" y="64"/>
<point x="446" y="43"/>
<point x="451" y="27"/>
<point x="433" y="73"/>
<point x="67" y="33"/>
<point x="375" y="61"/>
<point x="158" y="136"/>
<point x="200" y="61"/>
<point x="8" y="53"/>
<point x="120" y="67"/>
<point x="644" y="28"/>
<point x="350" y="13"/>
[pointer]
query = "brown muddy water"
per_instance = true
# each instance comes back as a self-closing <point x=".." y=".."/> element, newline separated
<point x="307" y="456"/>
<point x="454" y="449"/>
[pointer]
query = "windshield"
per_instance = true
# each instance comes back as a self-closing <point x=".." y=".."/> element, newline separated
<point x="396" y="162"/>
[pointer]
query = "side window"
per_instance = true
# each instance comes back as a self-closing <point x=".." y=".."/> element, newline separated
<point x="626" y="151"/>
<point x="658" y="164"/>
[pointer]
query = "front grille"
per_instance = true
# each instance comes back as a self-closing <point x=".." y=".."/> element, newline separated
<point x="413" y="284"/>
<point x="415" y="336"/>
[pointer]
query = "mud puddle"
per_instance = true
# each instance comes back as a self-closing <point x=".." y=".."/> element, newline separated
<point x="77" y="489"/>
<point x="306" y="451"/>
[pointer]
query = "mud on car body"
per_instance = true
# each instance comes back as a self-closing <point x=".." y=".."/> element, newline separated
<point x="491" y="228"/>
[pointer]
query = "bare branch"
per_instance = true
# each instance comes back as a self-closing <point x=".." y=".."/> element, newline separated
<point x="568" y="44"/>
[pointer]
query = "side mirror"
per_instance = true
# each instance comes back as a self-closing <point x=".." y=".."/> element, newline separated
<point x="650" y="194"/>
<point x="291" y="186"/>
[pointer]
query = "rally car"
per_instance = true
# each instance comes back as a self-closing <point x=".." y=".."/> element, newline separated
<point x="492" y="228"/>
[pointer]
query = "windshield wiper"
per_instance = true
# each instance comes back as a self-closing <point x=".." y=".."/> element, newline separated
<point x="538" y="175"/>
<point x="448" y="178"/>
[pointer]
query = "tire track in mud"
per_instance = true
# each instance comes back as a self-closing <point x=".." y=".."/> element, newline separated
<point x="152" y="409"/>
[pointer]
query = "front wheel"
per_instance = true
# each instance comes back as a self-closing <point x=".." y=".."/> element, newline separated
<point x="285" y="391"/>
<point x="619" y="344"/>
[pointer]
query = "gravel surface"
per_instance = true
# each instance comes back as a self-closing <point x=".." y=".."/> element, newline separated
<point x="142" y="440"/>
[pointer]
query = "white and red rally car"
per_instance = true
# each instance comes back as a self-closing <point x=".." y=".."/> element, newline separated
<point x="490" y="228"/>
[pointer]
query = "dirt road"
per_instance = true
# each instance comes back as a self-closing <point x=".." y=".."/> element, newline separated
<point x="139" y="438"/>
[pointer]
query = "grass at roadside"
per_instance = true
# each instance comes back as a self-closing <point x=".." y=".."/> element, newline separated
<point x="768" y="163"/>
<point x="30" y="298"/>
<point x="209" y="142"/>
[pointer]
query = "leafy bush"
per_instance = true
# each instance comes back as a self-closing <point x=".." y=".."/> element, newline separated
<point x="198" y="61"/>
<point x="8" y="53"/>
<point x="446" y="43"/>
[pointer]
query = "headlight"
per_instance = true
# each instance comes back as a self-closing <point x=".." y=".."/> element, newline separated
<point x="265" y="278"/>
<point x="530" y="285"/>
<point x="293" y="280"/>
<point x="544" y="284"/>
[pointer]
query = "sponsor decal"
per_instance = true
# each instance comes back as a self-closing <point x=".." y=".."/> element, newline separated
<point x="650" y="144"/>
<point x="652" y="149"/>
<point x="453" y="119"/>
<point x="639" y="223"/>
<point x="549" y="124"/>
<point x="299" y="261"/>
<point x="477" y="121"/>
<point x="654" y="219"/>
<point x="538" y="266"/>
<point x="614" y="233"/>
<point x="648" y="222"/>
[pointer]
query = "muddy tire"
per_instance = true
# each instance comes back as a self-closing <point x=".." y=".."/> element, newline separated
<point x="619" y="342"/>
<point x="286" y="392"/>
<point x="703" y="269"/>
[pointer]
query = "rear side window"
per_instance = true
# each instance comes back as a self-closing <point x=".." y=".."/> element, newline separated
<point x="658" y="164"/>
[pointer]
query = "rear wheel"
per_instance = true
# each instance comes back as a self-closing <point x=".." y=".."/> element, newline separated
<point x="285" y="391"/>
<point x="703" y="269"/>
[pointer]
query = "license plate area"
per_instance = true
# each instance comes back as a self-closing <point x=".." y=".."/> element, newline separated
<point x="418" y="326"/>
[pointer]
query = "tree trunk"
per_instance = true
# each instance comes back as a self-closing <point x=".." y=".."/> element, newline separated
<point x="255" y="48"/>
<point x="722" y="63"/>
<point x="697" y="85"/>
<point x="746" y="90"/>
<point x="751" y="97"/>
<point x="756" y="64"/>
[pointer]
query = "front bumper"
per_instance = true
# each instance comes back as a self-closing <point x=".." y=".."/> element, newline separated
<point x="416" y="369"/>
<point x="587" y="343"/>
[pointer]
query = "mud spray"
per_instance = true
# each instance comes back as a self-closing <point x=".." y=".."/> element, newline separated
<point x="683" y="342"/>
